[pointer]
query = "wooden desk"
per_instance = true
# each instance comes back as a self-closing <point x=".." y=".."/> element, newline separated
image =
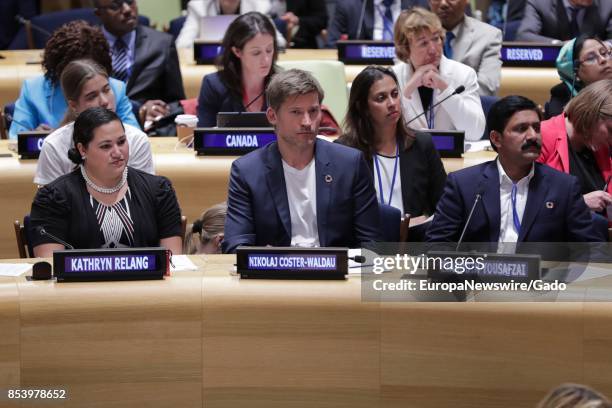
<point x="207" y="339"/>
<point x="534" y="83"/>
<point x="199" y="182"/>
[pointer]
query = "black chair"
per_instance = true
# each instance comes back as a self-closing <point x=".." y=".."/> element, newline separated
<point x="32" y="37"/>
<point x="22" y="235"/>
<point x="394" y="227"/>
<point x="510" y="30"/>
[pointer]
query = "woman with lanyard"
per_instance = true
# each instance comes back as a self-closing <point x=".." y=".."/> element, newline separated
<point x="426" y="78"/>
<point x="244" y="68"/>
<point x="408" y="171"/>
<point x="578" y="142"/>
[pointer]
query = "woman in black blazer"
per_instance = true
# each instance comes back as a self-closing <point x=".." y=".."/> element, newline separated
<point x="408" y="171"/>
<point x="245" y="67"/>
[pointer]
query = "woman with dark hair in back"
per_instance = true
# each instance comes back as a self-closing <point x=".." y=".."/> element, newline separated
<point x="408" y="171"/>
<point x="245" y="67"/>
<point x="104" y="203"/>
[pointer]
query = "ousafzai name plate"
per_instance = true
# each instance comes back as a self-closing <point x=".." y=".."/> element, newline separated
<point x="111" y="264"/>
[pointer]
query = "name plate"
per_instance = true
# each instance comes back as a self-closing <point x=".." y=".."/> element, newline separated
<point x="291" y="263"/>
<point x="205" y="52"/>
<point x="366" y="52"/>
<point x="29" y="144"/>
<point x="449" y="143"/>
<point x="487" y="267"/>
<point x="529" y="54"/>
<point x="231" y="141"/>
<point x="110" y="264"/>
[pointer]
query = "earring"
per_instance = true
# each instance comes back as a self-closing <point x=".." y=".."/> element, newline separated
<point x="83" y="157"/>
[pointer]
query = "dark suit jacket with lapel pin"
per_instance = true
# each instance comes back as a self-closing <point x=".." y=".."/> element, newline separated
<point x="258" y="208"/>
<point x="555" y="210"/>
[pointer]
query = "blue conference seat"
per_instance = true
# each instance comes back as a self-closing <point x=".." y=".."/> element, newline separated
<point x="487" y="101"/>
<point x="510" y="29"/>
<point x="390" y="221"/>
<point x="49" y="22"/>
<point x="8" y="111"/>
<point x="175" y="26"/>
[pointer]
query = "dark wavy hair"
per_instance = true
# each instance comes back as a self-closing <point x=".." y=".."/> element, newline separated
<point x="239" y="32"/>
<point x="85" y="125"/>
<point x="72" y="41"/>
<point x="358" y="127"/>
<point x="501" y="111"/>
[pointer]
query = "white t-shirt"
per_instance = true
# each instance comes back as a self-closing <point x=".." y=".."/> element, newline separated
<point x="302" y="197"/>
<point x="386" y="165"/>
<point x="54" y="162"/>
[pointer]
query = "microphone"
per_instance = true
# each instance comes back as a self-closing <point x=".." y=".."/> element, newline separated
<point x="361" y="18"/>
<point x="467" y="223"/>
<point x="27" y="22"/>
<point x="43" y="233"/>
<point x="9" y="118"/>
<point x="358" y="258"/>
<point x="253" y="101"/>
<point x="457" y="91"/>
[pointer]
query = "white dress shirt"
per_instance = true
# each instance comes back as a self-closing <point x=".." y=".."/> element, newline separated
<point x="507" y="231"/>
<point x="379" y="11"/>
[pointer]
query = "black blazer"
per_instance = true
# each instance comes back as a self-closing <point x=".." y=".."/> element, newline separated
<point x="346" y="19"/>
<point x="559" y="97"/>
<point x="156" y="73"/>
<point x="313" y="19"/>
<point x="214" y="98"/>
<point x="422" y="174"/>
<point x="63" y="209"/>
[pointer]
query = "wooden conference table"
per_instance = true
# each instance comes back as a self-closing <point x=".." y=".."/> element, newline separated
<point x="207" y="339"/>
<point x="199" y="182"/>
<point x="534" y="83"/>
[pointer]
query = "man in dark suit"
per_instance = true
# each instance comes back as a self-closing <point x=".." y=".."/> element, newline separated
<point x="300" y="190"/>
<point x="513" y="198"/>
<point x="562" y="20"/>
<point x="144" y="58"/>
<point x="376" y="22"/>
<point x="309" y="16"/>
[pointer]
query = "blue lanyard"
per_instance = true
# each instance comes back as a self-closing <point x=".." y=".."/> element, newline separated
<point x="515" y="217"/>
<point x="430" y="117"/>
<point x="380" y="186"/>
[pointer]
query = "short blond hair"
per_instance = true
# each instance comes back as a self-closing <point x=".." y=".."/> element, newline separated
<point x="409" y="24"/>
<point x="591" y="104"/>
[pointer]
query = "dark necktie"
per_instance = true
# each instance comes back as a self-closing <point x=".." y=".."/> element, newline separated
<point x="387" y="21"/>
<point x="448" y="48"/>
<point x="120" y="60"/>
<point x="574" y="22"/>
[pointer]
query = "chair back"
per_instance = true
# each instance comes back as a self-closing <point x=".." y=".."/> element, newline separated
<point x="330" y="75"/>
<point x="487" y="101"/>
<point x="175" y="26"/>
<point x="390" y="222"/>
<point x="22" y="236"/>
<point x="29" y="37"/>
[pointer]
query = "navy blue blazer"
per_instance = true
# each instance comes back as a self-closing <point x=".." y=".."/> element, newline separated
<point x="214" y="98"/>
<point x="258" y="208"/>
<point x="555" y="210"/>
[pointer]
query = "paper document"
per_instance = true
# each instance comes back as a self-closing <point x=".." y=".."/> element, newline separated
<point x="182" y="263"/>
<point x="14" y="269"/>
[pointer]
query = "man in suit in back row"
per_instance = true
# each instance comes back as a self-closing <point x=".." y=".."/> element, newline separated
<point x="376" y="23"/>
<point x="300" y="190"/>
<point x="471" y="42"/>
<point x="562" y="20"/>
<point x="144" y="58"/>
<point x="518" y="200"/>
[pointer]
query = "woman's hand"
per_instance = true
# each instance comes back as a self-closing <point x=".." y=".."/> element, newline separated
<point x="597" y="200"/>
<point x="417" y="79"/>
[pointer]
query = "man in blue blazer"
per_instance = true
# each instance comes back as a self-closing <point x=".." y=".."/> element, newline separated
<point x="513" y="198"/>
<point x="300" y="190"/>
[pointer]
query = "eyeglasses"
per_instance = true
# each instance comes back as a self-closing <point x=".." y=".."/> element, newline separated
<point x="594" y="57"/>
<point x="117" y="5"/>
